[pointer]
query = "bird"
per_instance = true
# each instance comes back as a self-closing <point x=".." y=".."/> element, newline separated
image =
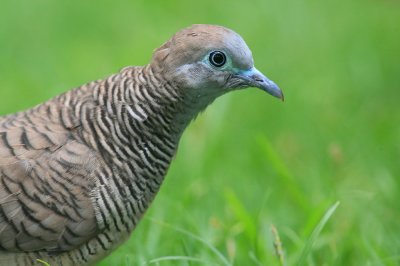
<point x="78" y="171"/>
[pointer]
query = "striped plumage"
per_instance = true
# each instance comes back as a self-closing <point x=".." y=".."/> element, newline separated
<point x="78" y="172"/>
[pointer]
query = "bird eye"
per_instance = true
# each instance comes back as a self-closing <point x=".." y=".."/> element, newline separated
<point x="217" y="58"/>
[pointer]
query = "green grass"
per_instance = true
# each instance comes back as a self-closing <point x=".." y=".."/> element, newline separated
<point x="249" y="161"/>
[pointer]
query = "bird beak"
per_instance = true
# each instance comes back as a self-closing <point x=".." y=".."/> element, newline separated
<point x="255" y="78"/>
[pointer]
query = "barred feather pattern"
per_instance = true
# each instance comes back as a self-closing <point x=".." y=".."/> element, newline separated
<point x="78" y="172"/>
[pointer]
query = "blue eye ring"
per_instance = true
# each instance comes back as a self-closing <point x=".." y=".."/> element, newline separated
<point x="217" y="58"/>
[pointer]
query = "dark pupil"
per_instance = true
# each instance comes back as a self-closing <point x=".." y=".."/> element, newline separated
<point x="217" y="59"/>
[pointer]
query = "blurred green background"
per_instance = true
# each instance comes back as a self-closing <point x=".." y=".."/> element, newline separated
<point x="249" y="161"/>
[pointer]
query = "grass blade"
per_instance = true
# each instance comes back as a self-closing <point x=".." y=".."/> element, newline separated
<point x="43" y="262"/>
<point x="317" y="230"/>
<point x="222" y="258"/>
<point x="181" y="258"/>
<point x="283" y="172"/>
<point x="241" y="214"/>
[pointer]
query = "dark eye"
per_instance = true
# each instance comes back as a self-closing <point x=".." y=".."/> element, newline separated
<point x="217" y="58"/>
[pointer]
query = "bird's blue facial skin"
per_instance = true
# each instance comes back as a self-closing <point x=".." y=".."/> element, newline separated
<point x="250" y="77"/>
<point x="246" y="73"/>
<point x="228" y="66"/>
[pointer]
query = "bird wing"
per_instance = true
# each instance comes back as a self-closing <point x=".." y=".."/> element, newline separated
<point x="46" y="179"/>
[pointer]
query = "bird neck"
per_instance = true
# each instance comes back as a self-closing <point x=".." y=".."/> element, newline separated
<point x="161" y="104"/>
<point x="143" y="115"/>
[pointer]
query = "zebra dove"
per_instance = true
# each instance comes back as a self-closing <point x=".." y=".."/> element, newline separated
<point x="78" y="171"/>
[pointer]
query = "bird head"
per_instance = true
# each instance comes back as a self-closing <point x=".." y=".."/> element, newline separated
<point x="209" y="60"/>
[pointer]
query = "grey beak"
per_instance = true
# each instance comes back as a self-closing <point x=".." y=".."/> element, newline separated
<point x="255" y="78"/>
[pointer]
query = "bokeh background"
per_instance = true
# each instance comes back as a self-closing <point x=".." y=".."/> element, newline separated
<point x="249" y="161"/>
